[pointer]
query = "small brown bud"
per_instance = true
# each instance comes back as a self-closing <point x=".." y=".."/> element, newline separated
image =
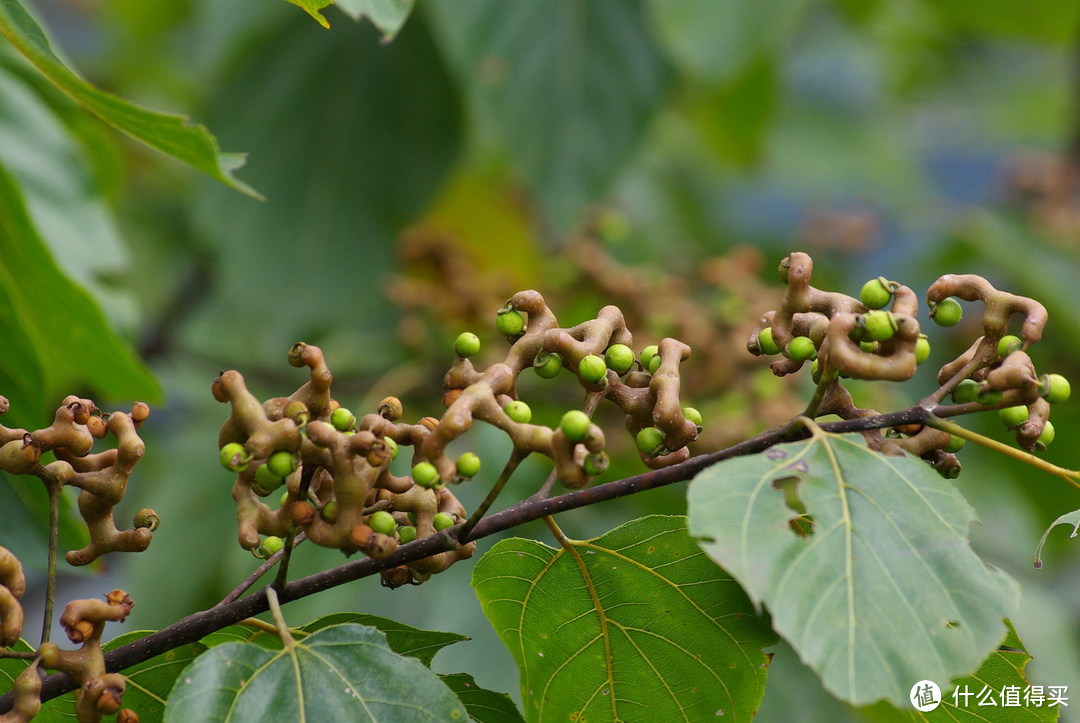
<point x="140" y="412"/>
<point x="303" y="513"/>
<point x="429" y="423"/>
<point x="390" y="408"/>
<point x="147" y="518"/>
<point x="127" y="715"/>
<point x="450" y="396"/>
<point x="360" y="535"/>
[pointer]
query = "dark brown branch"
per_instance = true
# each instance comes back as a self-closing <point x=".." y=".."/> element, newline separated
<point x="198" y="625"/>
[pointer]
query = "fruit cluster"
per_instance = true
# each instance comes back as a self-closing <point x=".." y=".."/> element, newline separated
<point x="102" y="476"/>
<point x="845" y="337"/>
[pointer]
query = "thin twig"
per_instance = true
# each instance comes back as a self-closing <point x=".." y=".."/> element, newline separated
<point x="508" y="470"/>
<point x="258" y="572"/>
<point x="290" y="541"/>
<point x="54" y="490"/>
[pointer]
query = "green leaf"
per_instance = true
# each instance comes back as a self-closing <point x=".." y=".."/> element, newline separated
<point x="387" y="15"/>
<point x="65" y="326"/>
<point x="569" y="87"/>
<point x="635" y="619"/>
<point x="484" y="706"/>
<point x="170" y="134"/>
<point x="718" y="42"/>
<point x="1069" y="518"/>
<point x="884" y="591"/>
<point x="312" y="8"/>
<point x="733" y="119"/>
<point x="344" y="672"/>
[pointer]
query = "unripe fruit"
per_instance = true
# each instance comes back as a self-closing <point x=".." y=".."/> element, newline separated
<point x="955" y="444"/>
<point x="265" y="481"/>
<point x="693" y="415"/>
<point x="592" y="369"/>
<point x="1008" y="344"/>
<point x="270" y="546"/>
<point x="1013" y="417"/>
<point x="467" y="344"/>
<point x="880" y="325"/>
<point x="406" y="533"/>
<point x="965" y="391"/>
<point x="619" y="358"/>
<point x="801" y="348"/>
<point x="233" y="457"/>
<point x="869" y="347"/>
<point x="595" y="463"/>
<point x="988" y="397"/>
<point x="342" y="419"/>
<point x="815" y="372"/>
<point x="442" y="521"/>
<point x="875" y="293"/>
<point x="547" y="365"/>
<point x="281" y="463"/>
<point x="575" y="425"/>
<point x="330" y="511"/>
<point x="518" y="411"/>
<point x="765" y="341"/>
<point x="1056" y="388"/>
<point x="948" y="312"/>
<point x="654" y="364"/>
<point x="647" y="355"/>
<point x="382" y="522"/>
<point x="468" y="465"/>
<point x="650" y="441"/>
<point x="510" y="322"/>
<point x="392" y="446"/>
<point x="425" y="474"/>
<point x="922" y="349"/>
<point x="284" y="498"/>
<point x="1046" y="437"/>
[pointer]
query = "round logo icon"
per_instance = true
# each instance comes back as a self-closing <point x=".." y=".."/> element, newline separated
<point x="925" y="696"/>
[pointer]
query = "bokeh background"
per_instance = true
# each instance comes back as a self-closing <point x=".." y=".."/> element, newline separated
<point x="662" y="155"/>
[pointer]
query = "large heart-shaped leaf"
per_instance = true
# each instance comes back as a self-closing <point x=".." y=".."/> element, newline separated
<point x="170" y="134"/>
<point x="862" y="559"/>
<point x="343" y="672"/>
<point x="637" y="619"/>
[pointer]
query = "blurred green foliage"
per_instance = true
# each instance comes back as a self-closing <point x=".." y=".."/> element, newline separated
<point x="907" y="138"/>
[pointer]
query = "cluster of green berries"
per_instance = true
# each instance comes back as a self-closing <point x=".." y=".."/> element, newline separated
<point x="1054" y="388"/>
<point x="268" y="476"/>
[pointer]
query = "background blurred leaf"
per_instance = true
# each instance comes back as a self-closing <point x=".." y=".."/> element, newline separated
<point x="484" y="706"/>
<point x="637" y="619"/>
<point x="387" y="15"/>
<point x="170" y="134"/>
<point x="568" y="87"/>
<point x="884" y="592"/>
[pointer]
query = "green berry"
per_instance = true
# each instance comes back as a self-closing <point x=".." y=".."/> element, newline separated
<point x="988" y="397"/>
<point x="1047" y="436"/>
<point x="425" y="474"/>
<point x="406" y="534"/>
<point x="382" y="522"/>
<point x="1008" y="344"/>
<point x="815" y="372"/>
<point x="766" y="343"/>
<point x="547" y="365"/>
<point x="266" y="481"/>
<point x="875" y="293"/>
<point x="233" y="457"/>
<point x="467" y="344"/>
<point x="650" y="441"/>
<point x="947" y="312"/>
<point x="468" y="465"/>
<point x="596" y="463"/>
<point x="619" y="358"/>
<point x="922" y="349"/>
<point x="880" y="325"/>
<point x="412" y="517"/>
<point x="342" y="419"/>
<point x="1013" y="417"/>
<point x="955" y="443"/>
<point x="575" y="425"/>
<point x="330" y="511"/>
<point x="592" y="369"/>
<point x="965" y="391"/>
<point x="868" y="347"/>
<point x="284" y="498"/>
<point x="647" y="355"/>
<point x="509" y="322"/>
<point x="442" y="521"/>
<point x="801" y="348"/>
<point x="518" y="411"/>
<point x="1056" y="388"/>
<point x="654" y="364"/>
<point x="270" y="546"/>
<point x="392" y="446"/>
<point x="281" y="463"/>
<point x="694" y="416"/>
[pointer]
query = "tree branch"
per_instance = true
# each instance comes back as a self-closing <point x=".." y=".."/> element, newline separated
<point x="196" y="626"/>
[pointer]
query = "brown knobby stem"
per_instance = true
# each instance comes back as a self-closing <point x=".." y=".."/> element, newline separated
<point x="998" y="306"/>
<point x="26" y="691"/>
<point x="12" y="587"/>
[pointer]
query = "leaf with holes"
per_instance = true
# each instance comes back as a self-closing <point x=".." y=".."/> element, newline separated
<point x="343" y="672"/>
<point x="637" y="619"/>
<point x="862" y="560"/>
